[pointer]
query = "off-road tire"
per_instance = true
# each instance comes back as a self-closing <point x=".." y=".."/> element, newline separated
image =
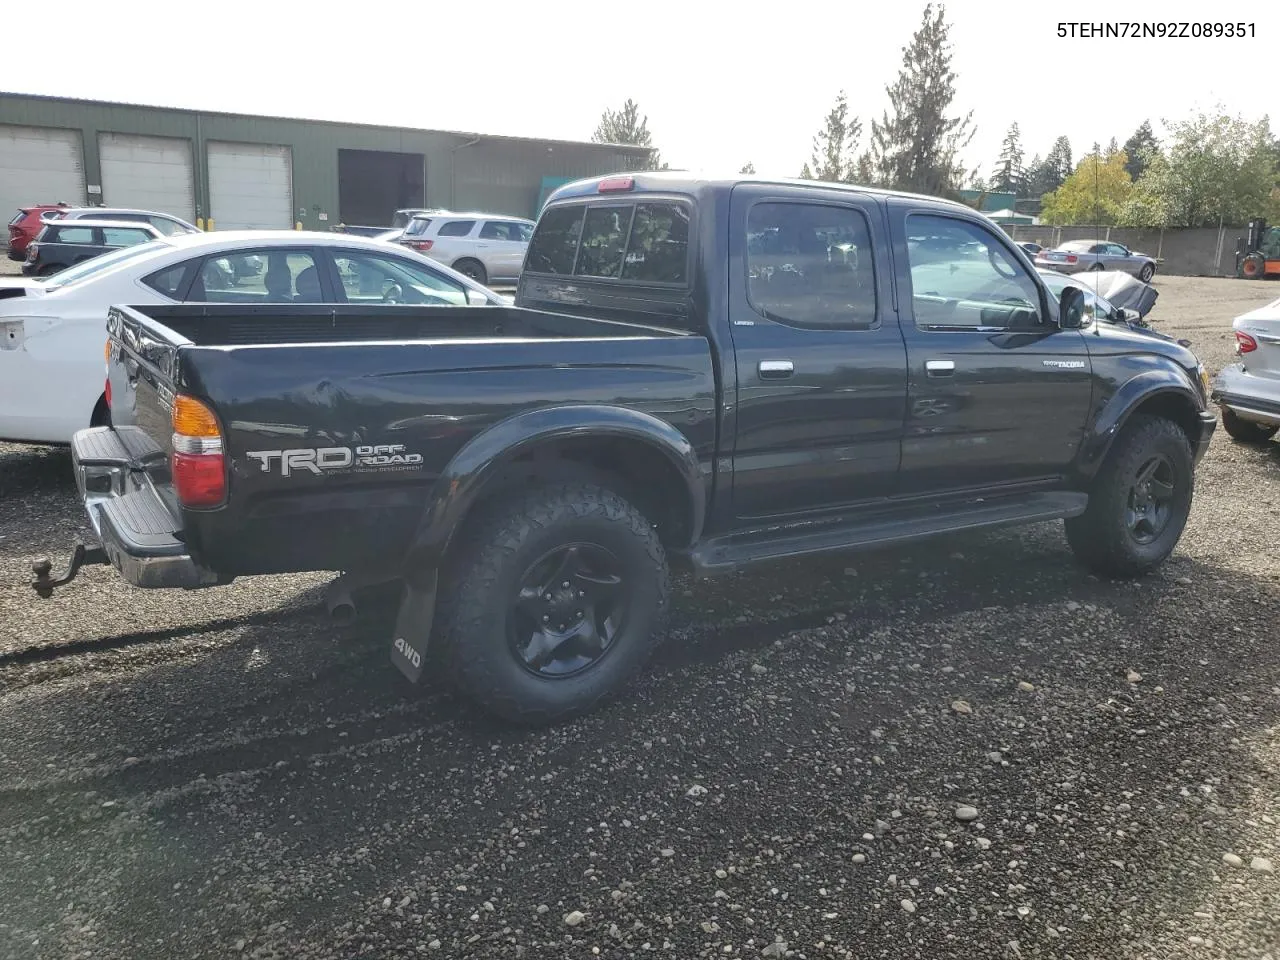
<point x="472" y="640"/>
<point x="1246" y="431"/>
<point x="1099" y="537"/>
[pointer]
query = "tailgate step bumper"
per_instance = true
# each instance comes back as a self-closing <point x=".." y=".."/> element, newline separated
<point x="140" y="536"/>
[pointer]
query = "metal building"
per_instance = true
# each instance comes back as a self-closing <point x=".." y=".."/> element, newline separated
<point x="240" y="171"/>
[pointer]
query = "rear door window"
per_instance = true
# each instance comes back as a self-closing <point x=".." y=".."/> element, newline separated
<point x="258" y="276"/>
<point x="456" y="228"/>
<point x="70" y="235"/>
<point x="417" y="226"/>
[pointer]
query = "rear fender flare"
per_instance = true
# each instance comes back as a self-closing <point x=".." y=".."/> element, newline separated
<point x="484" y="456"/>
<point x="1122" y="404"/>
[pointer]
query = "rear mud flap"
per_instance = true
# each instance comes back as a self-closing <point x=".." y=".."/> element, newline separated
<point x="413" y="627"/>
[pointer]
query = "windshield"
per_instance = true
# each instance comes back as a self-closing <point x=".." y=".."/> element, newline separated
<point x="95" y="265"/>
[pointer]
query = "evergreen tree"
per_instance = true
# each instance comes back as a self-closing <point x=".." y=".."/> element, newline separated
<point x="1112" y="149"/>
<point x="834" y="145"/>
<point x="915" y="146"/>
<point x="1138" y="149"/>
<point x="1009" y="175"/>
<point x="748" y="168"/>
<point x="626" y="126"/>
<point x="864" y="172"/>
<point x="1059" y="162"/>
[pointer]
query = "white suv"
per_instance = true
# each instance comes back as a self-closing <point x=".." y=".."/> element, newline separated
<point x="482" y="246"/>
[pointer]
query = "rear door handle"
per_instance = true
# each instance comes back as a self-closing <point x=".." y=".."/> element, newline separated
<point x="940" y="368"/>
<point x="775" y="369"/>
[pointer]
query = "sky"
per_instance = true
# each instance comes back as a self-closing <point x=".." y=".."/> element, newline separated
<point x="721" y="86"/>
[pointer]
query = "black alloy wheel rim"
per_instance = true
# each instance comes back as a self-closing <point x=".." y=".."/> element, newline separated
<point x="567" y="611"/>
<point x="1150" y="502"/>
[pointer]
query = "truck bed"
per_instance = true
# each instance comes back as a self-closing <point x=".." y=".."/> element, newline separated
<point x="425" y="381"/>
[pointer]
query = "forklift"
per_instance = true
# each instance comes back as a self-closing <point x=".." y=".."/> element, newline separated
<point x="1258" y="254"/>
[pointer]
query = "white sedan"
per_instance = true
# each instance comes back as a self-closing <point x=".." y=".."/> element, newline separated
<point x="52" y="330"/>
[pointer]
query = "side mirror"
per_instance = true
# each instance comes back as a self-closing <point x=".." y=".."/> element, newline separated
<point x="1129" y="316"/>
<point x="1071" y="309"/>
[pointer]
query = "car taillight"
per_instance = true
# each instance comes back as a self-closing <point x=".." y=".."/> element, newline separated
<point x="1072" y="258"/>
<point x="32" y="249"/>
<point x="106" y="356"/>
<point x="422" y="245"/>
<point x="198" y="462"/>
<point x="1245" y="343"/>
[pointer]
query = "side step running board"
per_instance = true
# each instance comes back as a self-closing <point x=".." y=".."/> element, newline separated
<point x="884" y="528"/>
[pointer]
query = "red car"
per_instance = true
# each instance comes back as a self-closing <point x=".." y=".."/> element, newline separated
<point x="24" y="227"/>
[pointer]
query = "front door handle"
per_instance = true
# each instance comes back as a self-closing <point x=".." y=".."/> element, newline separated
<point x="940" y="368"/>
<point x="775" y="369"/>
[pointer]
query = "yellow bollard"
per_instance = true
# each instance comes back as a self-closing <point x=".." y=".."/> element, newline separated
<point x="210" y="223"/>
<point x="199" y="223"/>
<point x="297" y="225"/>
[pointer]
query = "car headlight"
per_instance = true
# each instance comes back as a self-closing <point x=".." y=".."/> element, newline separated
<point x="1202" y="372"/>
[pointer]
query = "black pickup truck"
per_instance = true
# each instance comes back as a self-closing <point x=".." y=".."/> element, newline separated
<point x="711" y="372"/>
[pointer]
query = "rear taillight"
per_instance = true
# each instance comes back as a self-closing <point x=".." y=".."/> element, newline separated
<point x="198" y="461"/>
<point x="1072" y="258"/>
<point x="32" y="249"/>
<point x="106" y="356"/>
<point x="421" y="245"/>
<point x="1245" y="343"/>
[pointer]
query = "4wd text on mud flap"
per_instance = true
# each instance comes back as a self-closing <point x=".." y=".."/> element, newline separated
<point x="319" y="459"/>
<point x="410" y="654"/>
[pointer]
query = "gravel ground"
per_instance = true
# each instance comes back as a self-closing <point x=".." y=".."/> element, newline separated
<point x="969" y="749"/>
<point x="9" y="267"/>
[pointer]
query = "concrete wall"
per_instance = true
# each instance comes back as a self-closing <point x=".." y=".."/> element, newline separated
<point x="1191" y="252"/>
<point x="496" y="174"/>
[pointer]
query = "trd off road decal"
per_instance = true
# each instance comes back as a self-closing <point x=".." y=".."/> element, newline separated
<point x="377" y="458"/>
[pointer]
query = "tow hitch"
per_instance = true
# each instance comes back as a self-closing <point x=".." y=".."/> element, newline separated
<point x="43" y="584"/>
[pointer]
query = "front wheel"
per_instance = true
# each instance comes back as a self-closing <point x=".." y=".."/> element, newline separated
<point x="557" y="600"/>
<point x="1246" y="431"/>
<point x="1147" y="272"/>
<point x="1139" y="503"/>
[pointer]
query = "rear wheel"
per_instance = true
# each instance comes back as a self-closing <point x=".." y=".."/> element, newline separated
<point x="1098" y="267"/>
<point x="1139" y="503"/>
<point x="48" y="270"/>
<point x="1246" y="431"/>
<point x="473" y="269"/>
<point x="556" y="601"/>
<point x="1252" y="267"/>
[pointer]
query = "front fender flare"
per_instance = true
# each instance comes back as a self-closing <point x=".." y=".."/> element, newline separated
<point x="1121" y="405"/>
<point x="460" y="483"/>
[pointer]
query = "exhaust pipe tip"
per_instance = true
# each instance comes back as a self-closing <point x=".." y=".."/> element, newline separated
<point x="337" y="600"/>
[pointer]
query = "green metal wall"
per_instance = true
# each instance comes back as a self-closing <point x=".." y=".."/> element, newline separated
<point x="495" y="174"/>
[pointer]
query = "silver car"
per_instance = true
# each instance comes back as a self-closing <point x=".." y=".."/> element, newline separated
<point x="1076" y="256"/>
<point x="483" y="246"/>
<point x="1248" y="391"/>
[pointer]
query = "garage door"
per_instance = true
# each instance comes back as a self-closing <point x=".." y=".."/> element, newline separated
<point x="250" y="186"/>
<point x="39" y="165"/>
<point x="149" y="173"/>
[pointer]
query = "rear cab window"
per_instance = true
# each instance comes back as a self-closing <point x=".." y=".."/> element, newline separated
<point x="632" y="240"/>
